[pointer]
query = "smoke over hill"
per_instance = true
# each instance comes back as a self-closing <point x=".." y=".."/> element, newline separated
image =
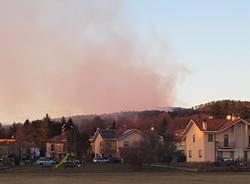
<point x="74" y="57"/>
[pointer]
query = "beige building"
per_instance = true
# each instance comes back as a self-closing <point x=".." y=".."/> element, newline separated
<point x="8" y="147"/>
<point x="108" y="143"/>
<point x="217" y="140"/>
<point x="56" y="147"/>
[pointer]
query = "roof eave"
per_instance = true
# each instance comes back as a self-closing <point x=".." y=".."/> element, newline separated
<point x="135" y="130"/>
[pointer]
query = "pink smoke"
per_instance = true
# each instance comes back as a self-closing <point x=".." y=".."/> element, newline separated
<point x="76" y="57"/>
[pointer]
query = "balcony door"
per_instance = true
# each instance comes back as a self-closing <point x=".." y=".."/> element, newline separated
<point x="226" y="140"/>
<point x="245" y="156"/>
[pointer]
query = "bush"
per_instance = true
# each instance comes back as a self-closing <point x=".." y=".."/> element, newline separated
<point x="132" y="156"/>
<point x="151" y="150"/>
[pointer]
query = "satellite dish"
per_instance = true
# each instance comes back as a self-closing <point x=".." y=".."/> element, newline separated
<point x="229" y="117"/>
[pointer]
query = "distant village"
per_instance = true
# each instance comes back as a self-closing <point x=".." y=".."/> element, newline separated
<point x="209" y="134"/>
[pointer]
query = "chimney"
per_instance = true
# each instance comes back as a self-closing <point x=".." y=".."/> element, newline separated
<point x="204" y="125"/>
<point x="234" y="118"/>
<point x="210" y="117"/>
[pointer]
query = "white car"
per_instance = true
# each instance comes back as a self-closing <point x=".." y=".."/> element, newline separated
<point x="72" y="163"/>
<point x="46" y="162"/>
<point x="100" y="160"/>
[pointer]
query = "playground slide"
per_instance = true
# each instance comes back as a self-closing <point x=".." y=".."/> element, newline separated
<point x="62" y="161"/>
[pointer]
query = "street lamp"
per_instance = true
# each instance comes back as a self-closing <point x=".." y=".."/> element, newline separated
<point x="152" y="129"/>
<point x="74" y="131"/>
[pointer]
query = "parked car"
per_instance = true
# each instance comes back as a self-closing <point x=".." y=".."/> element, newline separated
<point x="7" y="161"/>
<point x="114" y="160"/>
<point x="228" y="159"/>
<point x="72" y="163"/>
<point x="100" y="160"/>
<point x="46" y="162"/>
<point x="225" y="159"/>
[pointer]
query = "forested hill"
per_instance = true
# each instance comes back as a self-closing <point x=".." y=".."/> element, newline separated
<point x="223" y="108"/>
<point x="178" y="118"/>
<point x="175" y="119"/>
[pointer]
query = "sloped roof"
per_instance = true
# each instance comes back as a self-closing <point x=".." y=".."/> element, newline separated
<point x="58" y="139"/>
<point x="179" y="132"/>
<point x="128" y="132"/>
<point x="107" y="134"/>
<point x="214" y="124"/>
<point x="114" y="134"/>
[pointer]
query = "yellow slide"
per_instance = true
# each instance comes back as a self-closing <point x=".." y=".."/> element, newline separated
<point x="62" y="161"/>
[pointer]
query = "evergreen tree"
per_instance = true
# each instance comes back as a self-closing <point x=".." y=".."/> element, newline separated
<point x="63" y="121"/>
<point x="163" y="126"/>
<point x="113" y="127"/>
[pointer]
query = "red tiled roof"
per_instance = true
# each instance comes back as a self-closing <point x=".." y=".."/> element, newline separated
<point x="179" y="132"/>
<point x="215" y="124"/>
<point x="7" y="140"/>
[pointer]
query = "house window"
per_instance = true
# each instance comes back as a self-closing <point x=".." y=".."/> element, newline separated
<point x="232" y="155"/>
<point x="101" y="146"/>
<point x="226" y="140"/>
<point x="220" y="155"/>
<point x="210" y="137"/>
<point x="200" y="153"/>
<point x="125" y="144"/>
<point x="190" y="153"/>
<point x="193" y="138"/>
<point x="52" y="147"/>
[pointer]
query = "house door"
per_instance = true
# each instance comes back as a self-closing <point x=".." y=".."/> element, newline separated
<point x="219" y="155"/>
<point x="233" y="157"/>
<point x="245" y="156"/>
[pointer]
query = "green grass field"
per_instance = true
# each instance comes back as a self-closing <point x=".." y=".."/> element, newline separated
<point x="112" y="174"/>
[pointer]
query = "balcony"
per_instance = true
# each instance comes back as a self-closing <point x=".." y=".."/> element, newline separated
<point x="221" y="145"/>
<point x="247" y="147"/>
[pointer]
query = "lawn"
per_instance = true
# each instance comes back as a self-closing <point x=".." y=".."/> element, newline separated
<point x="114" y="174"/>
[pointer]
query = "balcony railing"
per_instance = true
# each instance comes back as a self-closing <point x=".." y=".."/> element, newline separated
<point x="221" y="145"/>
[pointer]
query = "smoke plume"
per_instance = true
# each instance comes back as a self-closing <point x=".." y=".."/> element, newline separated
<point x="74" y="57"/>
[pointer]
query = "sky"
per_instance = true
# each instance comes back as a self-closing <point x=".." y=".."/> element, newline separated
<point x="211" y="38"/>
<point x="79" y="57"/>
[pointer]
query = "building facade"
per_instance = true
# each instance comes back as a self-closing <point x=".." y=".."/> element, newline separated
<point x="108" y="143"/>
<point x="217" y="140"/>
<point x="8" y="148"/>
<point x="56" y="147"/>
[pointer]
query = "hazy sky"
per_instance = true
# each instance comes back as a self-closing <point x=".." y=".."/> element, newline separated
<point x="210" y="37"/>
<point x="80" y="56"/>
